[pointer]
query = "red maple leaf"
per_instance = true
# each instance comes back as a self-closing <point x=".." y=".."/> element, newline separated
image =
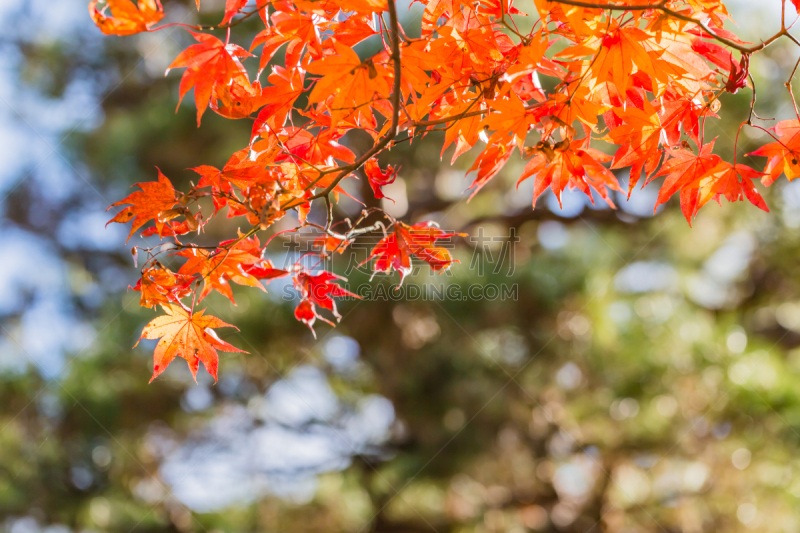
<point x="394" y="252"/>
<point x="318" y="290"/>
<point x="379" y="178"/>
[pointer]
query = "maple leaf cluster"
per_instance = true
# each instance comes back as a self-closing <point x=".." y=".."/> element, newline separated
<point x="630" y="86"/>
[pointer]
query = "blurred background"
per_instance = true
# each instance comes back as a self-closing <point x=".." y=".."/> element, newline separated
<point x="645" y="377"/>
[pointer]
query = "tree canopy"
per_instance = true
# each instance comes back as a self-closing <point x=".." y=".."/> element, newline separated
<point x="587" y="89"/>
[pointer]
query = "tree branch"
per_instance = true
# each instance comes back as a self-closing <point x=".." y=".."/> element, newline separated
<point x="661" y="6"/>
<point x="396" y="96"/>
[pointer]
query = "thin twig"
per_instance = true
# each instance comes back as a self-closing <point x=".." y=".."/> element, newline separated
<point x="661" y="6"/>
<point x="788" y="85"/>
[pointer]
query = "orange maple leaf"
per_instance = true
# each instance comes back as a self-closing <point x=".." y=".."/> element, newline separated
<point x="231" y="8"/>
<point x="350" y="82"/>
<point x="176" y="229"/>
<point x="219" y="266"/>
<point x="435" y="10"/>
<point x="532" y="58"/>
<point x="330" y="243"/>
<point x="209" y="64"/>
<point x="681" y="113"/>
<point x="676" y="64"/>
<point x="464" y="132"/>
<point x="188" y="335"/>
<point x="287" y="86"/>
<point x="784" y="154"/>
<point x="126" y="17"/>
<point x="509" y="118"/>
<point x="364" y="7"/>
<point x="351" y="30"/>
<point x="239" y="171"/>
<point x="479" y="44"/>
<point x="238" y="99"/>
<point x="639" y="138"/>
<point x="488" y="164"/>
<point x="570" y="164"/>
<point x="147" y="204"/>
<point x="614" y="54"/>
<point x="684" y="170"/>
<point x="159" y="285"/>
<point x="725" y="182"/>
<point x="288" y="26"/>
